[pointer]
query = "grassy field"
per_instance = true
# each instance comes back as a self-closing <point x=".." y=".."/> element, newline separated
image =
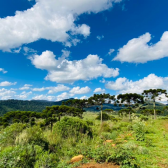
<point x="127" y="144"/>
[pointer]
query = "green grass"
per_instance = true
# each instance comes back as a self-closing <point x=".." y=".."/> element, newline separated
<point x="137" y="144"/>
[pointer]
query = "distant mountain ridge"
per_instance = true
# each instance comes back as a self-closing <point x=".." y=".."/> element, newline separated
<point x="40" y="105"/>
<point x="26" y="105"/>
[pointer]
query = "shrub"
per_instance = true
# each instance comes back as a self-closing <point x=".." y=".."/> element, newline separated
<point x="8" y="135"/>
<point x="19" y="156"/>
<point x="105" y="116"/>
<point x="70" y="127"/>
<point x="105" y="127"/>
<point x="109" y="136"/>
<point x="144" y="118"/>
<point x="32" y="135"/>
<point x="139" y="129"/>
<point x="46" y="160"/>
<point x="124" y="157"/>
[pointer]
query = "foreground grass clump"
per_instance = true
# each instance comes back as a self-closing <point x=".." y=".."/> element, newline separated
<point x="136" y="144"/>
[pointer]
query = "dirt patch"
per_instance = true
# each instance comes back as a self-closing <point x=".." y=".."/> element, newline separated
<point x="97" y="165"/>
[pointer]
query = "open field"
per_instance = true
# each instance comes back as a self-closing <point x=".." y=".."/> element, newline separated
<point x="126" y="144"/>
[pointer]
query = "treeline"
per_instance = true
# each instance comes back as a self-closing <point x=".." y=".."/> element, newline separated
<point x="25" y="105"/>
<point x="49" y="115"/>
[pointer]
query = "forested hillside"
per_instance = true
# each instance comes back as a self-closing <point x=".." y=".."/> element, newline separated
<point x="21" y="105"/>
<point x="40" y="105"/>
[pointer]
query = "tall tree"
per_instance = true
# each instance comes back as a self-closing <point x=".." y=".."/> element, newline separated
<point x="99" y="100"/>
<point x="77" y="103"/>
<point x="153" y="94"/>
<point x="125" y="111"/>
<point x="130" y="99"/>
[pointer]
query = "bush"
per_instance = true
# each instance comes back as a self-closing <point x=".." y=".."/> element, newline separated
<point x="144" y="118"/>
<point x="20" y="156"/>
<point x="70" y="127"/>
<point x="109" y="136"/>
<point x="105" y="116"/>
<point x="32" y="135"/>
<point x="9" y="134"/>
<point x="139" y="129"/>
<point x="124" y="157"/>
<point x="105" y="127"/>
<point x="46" y="160"/>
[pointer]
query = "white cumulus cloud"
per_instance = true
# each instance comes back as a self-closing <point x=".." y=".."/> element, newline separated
<point x="124" y="85"/>
<point x="6" y="83"/>
<point x="23" y="95"/>
<point x="58" y="88"/>
<point x="138" y="50"/>
<point x="52" y="89"/>
<point x="62" y="70"/>
<point x="25" y="87"/>
<point x="50" y="20"/>
<point x="100" y="90"/>
<point x="64" y="95"/>
<point x="6" y="94"/>
<point x="78" y="90"/>
<point x="38" y="89"/>
<point x="84" y="97"/>
<point x="44" y="97"/>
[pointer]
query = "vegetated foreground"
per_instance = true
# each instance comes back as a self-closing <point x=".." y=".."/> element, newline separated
<point x="133" y="144"/>
<point x="67" y="137"/>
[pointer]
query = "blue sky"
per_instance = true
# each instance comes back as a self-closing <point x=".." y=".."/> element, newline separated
<point x="57" y="49"/>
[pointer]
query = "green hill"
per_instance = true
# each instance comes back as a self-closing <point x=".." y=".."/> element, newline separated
<point x="40" y="105"/>
<point x="25" y="105"/>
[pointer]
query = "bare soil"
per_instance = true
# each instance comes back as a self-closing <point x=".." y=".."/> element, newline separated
<point x="97" y="165"/>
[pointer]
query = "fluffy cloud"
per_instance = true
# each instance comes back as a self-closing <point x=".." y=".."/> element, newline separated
<point x="84" y="97"/>
<point x="78" y="90"/>
<point x="6" y="94"/>
<point x="59" y="88"/>
<point x="38" y="89"/>
<point x="3" y="71"/>
<point x="124" y="85"/>
<point x="100" y="90"/>
<point x="50" y="20"/>
<point x="64" y="95"/>
<point x="25" y="87"/>
<point x="6" y="83"/>
<point x="138" y="50"/>
<point x="44" y="97"/>
<point x="52" y="90"/>
<point x="63" y="71"/>
<point x="23" y="95"/>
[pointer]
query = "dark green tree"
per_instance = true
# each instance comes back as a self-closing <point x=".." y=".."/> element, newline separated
<point x="153" y="95"/>
<point x="99" y="100"/>
<point x="130" y="99"/>
<point x="125" y="111"/>
<point x="165" y="109"/>
<point x="148" y="112"/>
<point x="77" y="103"/>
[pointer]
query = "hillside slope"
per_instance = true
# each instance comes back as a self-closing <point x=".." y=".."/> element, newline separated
<point x="40" y="105"/>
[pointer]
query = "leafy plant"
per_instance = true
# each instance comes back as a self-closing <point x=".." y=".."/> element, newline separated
<point x="70" y="126"/>
<point x="105" y="116"/>
<point x="20" y="156"/>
